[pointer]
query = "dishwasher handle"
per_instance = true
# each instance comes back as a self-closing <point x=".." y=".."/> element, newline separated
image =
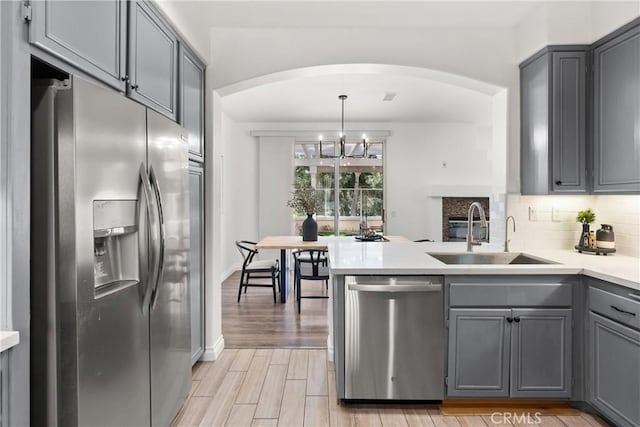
<point x="422" y="287"/>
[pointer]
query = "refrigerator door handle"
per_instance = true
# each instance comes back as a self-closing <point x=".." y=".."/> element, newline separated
<point x="150" y="275"/>
<point x="161" y="240"/>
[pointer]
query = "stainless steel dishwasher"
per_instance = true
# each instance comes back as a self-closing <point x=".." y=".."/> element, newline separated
<point x="394" y="337"/>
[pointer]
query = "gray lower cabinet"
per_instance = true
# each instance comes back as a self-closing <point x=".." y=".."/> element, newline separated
<point x="541" y="353"/>
<point x="553" y="121"/>
<point x="196" y="257"/>
<point x="616" y="113"/>
<point x="520" y="353"/>
<point x="614" y="370"/>
<point x="90" y="35"/>
<point x="479" y="342"/>
<point x="153" y="59"/>
<point x="192" y="100"/>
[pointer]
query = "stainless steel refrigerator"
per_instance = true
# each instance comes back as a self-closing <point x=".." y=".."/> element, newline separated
<point x="110" y="342"/>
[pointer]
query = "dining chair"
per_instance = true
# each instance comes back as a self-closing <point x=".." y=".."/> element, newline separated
<point x="305" y="255"/>
<point x="254" y="269"/>
<point x="310" y="264"/>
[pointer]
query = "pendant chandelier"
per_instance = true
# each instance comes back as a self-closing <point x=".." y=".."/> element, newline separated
<point x="342" y="142"/>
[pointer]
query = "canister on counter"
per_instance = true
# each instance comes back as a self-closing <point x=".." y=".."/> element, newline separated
<point x="605" y="237"/>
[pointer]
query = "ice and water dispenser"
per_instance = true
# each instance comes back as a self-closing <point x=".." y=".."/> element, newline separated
<point x="115" y="245"/>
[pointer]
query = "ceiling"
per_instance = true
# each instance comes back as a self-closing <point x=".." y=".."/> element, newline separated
<point x="355" y="14"/>
<point x="378" y="14"/>
<point x="315" y="99"/>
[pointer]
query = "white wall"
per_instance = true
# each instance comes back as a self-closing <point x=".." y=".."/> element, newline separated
<point x="414" y="156"/>
<point x="570" y="23"/>
<point x="197" y="35"/>
<point x="240" y="203"/>
<point x="487" y="55"/>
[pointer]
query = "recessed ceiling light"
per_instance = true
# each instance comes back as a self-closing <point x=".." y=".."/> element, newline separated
<point x="388" y="96"/>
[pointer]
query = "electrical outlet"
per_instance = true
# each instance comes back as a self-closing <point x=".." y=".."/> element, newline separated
<point x="533" y="213"/>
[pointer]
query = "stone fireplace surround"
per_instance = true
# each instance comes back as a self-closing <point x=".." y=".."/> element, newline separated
<point x="453" y="207"/>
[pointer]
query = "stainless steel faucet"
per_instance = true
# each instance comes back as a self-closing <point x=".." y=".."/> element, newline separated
<point x="506" y="232"/>
<point x="483" y="222"/>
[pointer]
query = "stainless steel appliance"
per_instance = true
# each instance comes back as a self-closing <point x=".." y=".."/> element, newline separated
<point x="458" y="227"/>
<point x="394" y="337"/>
<point x="110" y="322"/>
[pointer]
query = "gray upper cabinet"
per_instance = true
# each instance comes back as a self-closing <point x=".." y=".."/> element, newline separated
<point x="553" y="121"/>
<point x="153" y="59"/>
<point x="196" y="259"/>
<point x="479" y="341"/>
<point x="614" y="370"/>
<point x="90" y="35"/>
<point x="192" y="100"/>
<point x="616" y="113"/>
<point x="541" y="353"/>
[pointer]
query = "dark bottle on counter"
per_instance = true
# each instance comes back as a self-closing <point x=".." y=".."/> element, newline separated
<point x="584" y="236"/>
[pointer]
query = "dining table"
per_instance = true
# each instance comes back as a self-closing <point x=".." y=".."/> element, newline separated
<point x="291" y="242"/>
<point x="284" y="244"/>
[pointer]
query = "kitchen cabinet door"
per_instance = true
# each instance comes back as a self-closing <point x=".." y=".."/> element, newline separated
<point x="534" y="126"/>
<point x="616" y="114"/>
<point x="90" y="35"/>
<point x="196" y="258"/>
<point x="192" y="100"/>
<point x="614" y="370"/>
<point x="553" y="122"/>
<point x="479" y="344"/>
<point x="153" y="59"/>
<point x="541" y="353"/>
<point x="569" y="104"/>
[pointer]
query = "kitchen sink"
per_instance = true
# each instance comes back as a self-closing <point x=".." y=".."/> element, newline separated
<point x="499" y="258"/>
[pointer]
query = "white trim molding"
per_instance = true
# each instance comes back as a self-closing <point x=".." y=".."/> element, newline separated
<point x="8" y="339"/>
<point x="212" y="353"/>
<point x="312" y="135"/>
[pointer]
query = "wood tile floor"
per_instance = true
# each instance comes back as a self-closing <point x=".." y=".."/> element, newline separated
<point x="285" y="387"/>
<point x="256" y="321"/>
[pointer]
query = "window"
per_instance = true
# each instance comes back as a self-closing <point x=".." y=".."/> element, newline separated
<point x="360" y="186"/>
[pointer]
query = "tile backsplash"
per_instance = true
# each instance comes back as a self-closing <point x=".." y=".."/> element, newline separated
<point x="548" y="222"/>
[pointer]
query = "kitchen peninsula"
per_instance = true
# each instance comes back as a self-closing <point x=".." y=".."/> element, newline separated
<point x="535" y="331"/>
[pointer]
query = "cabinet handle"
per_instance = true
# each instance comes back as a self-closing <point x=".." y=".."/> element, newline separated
<point x="125" y="79"/>
<point x="134" y="87"/>
<point x="516" y="319"/>
<point x="619" y="310"/>
<point x="509" y="319"/>
<point x="558" y="182"/>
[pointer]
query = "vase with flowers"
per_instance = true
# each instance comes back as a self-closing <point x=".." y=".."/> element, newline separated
<point x="306" y="200"/>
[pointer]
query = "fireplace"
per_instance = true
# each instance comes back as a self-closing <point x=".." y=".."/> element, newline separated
<point x="454" y="218"/>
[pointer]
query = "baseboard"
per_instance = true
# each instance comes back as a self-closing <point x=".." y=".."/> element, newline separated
<point x="329" y="349"/>
<point x="230" y="271"/>
<point x="212" y="353"/>
<point x="461" y="407"/>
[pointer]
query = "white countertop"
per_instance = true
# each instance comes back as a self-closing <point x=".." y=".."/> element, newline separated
<point x="350" y="257"/>
<point x="8" y="339"/>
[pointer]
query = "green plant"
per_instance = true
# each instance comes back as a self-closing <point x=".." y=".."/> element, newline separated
<point x="586" y="217"/>
<point x="304" y="198"/>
